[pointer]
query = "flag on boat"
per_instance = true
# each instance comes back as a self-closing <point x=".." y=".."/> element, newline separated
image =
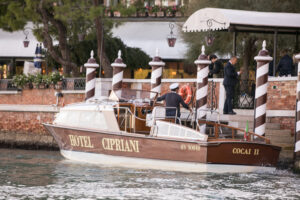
<point x="246" y="131"/>
<point x="38" y="56"/>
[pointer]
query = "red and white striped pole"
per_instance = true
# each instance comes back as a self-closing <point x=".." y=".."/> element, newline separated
<point x="157" y="68"/>
<point x="202" y="86"/>
<point x="91" y="67"/>
<point x="297" y="134"/>
<point x="262" y="72"/>
<point x="118" y="68"/>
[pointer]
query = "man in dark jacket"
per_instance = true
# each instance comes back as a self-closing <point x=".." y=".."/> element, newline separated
<point x="215" y="68"/>
<point x="173" y="100"/>
<point x="230" y="80"/>
<point x="285" y="65"/>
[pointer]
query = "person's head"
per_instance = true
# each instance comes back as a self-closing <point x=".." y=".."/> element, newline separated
<point x="213" y="58"/>
<point x="233" y="60"/>
<point x="284" y="52"/>
<point x="174" y="87"/>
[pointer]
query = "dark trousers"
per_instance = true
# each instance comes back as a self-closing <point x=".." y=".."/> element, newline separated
<point x="171" y="112"/>
<point x="229" y="89"/>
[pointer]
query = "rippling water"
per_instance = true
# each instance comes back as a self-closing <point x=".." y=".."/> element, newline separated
<point x="46" y="175"/>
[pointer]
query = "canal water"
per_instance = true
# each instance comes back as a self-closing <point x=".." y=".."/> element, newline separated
<point x="46" y="175"/>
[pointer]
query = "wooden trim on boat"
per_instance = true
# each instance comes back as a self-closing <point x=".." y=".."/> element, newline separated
<point x="233" y="129"/>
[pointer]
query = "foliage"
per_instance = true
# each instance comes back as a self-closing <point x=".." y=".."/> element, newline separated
<point x="47" y="80"/>
<point x="80" y="52"/>
<point x="38" y="79"/>
<point x="127" y="12"/>
<point x="20" y="80"/>
<point x="248" y="44"/>
<point x="55" y="77"/>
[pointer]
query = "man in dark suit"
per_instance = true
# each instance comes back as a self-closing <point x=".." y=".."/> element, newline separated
<point x="215" y="68"/>
<point x="230" y="80"/>
<point x="285" y="66"/>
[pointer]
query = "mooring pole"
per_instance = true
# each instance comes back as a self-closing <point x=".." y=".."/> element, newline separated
<point x="117" y="80"/>
<point x="297" y="131"/>
<point x="156" y="75"/>
<point x="91" y="67"/>
<point x="262" y="70"/>
<point x="202" y="86"/>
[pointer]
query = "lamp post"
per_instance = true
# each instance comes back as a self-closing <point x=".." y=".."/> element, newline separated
<point x="171" y="38"/>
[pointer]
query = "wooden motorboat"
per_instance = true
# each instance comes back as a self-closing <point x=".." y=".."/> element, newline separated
<point x="129" y="130"/>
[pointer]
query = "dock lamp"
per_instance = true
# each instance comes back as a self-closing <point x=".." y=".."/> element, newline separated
<point x="171" y="38"/>
<point x="26" y="40"/>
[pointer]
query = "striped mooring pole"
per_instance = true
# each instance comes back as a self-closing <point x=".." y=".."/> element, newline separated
<point x="202" y="86"/>
<point x="91" y="67"/>
<point x="262" y="71"/>
<point x="157" y="68"/>
<point x="118" y="68"/>
<point x="297" y="132"/>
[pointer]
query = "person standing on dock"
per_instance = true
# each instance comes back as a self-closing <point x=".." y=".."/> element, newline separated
<point x="174" y="100"/>
<point x="230" y="80"/>
<point x="216" y="67"/>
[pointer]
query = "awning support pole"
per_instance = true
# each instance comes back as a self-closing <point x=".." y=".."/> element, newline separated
<point x="234" y="43"/>
<point x="297" y="41"/>
<point x="274" y="53"/>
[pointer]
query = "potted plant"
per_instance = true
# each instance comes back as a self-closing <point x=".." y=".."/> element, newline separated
<point x="38" y="80"/>
<point x="160" y="11"/>
<point x="152" y="10"/>
<point x="30" y="79"/>
<point x="127" y="12"/>
<point x="108" y="12"/>
<point x="56" y="79"/>
<point x="171" y="11"/>
<point x="141" y="12"/>
<point x="46" y="81"/>
<point x="181" y="12"/>
<point x="19" y="81"/>
<point x="116" y="11"/>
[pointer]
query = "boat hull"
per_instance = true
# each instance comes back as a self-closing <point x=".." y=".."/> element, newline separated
<point x="165" y="165"/>
<point x="141" y="151"/>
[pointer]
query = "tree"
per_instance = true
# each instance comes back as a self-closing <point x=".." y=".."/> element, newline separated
<point x="60" y="20"/>
<point x="247" y="44"/>
<point x="80" y="52"/>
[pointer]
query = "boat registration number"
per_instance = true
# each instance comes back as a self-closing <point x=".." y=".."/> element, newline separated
<point x="190" y="147"/>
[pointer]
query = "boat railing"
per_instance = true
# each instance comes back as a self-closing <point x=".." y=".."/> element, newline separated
<point x="160" y="113"/>
<point x="126" y="118"/>
<point x="249" y="136"/>
<point x="123" y="117"/>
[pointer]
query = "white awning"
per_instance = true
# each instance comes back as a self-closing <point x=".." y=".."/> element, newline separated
<point x="218" y="19"/>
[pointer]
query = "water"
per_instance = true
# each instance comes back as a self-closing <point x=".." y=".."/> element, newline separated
<point x="46" y="175"/>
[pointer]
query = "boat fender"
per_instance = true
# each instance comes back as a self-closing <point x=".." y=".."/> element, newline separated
<point x="186" y="93"/>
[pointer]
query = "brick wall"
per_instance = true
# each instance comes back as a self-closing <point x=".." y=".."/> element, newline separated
<point x="282" y="95"/>
<point x="25" y="122"/>
<point x="39" y="97"/>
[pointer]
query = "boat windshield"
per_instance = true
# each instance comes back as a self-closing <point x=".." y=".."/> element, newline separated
<point x="132" y="95"/>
